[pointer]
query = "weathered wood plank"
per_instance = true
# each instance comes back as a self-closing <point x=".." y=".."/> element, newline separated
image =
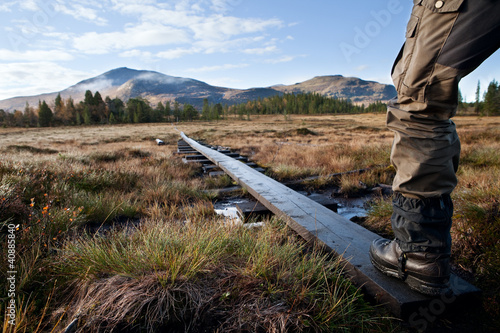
<point x="319" y="224"/>
<point x="200" y="161"/>
<point x="194" y="157"/>
<point x="252" y="209"/>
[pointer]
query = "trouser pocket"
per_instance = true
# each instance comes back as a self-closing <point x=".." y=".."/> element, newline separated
<point x="414" y="70"/>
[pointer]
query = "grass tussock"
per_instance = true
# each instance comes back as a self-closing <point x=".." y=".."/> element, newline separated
<point x="293" y="161"/>
<point x="284" y="172"/>
<point x="209" y="275"/>
<point x="379" y="217"/>
<point x="30" y="149"/>
<point x="218" y="182"/>
<point x="476" y="228"/>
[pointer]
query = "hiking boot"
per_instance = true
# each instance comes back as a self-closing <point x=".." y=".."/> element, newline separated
<point x="427" y="273"/>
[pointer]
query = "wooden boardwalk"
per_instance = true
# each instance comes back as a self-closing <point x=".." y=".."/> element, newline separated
<point x="317" y="223"/>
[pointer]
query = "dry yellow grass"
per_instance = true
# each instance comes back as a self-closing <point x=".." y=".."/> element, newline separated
<point x="145" y="177"/>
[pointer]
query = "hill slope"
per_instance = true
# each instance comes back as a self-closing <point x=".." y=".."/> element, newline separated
<point x="126" y="83"/>
<point x="343" y="87"/>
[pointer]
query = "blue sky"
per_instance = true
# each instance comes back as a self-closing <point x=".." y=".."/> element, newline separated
<point x="48" y="45"/>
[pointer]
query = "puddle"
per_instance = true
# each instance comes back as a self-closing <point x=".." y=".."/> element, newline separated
<point x="352" y="207"/>
<point x="227" y="208"/>
<point x="347" y="207"/>
<point x="229" y="212"/>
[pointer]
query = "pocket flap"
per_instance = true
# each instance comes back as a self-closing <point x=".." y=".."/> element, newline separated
<point x="412" y="26"/>
<point x="443" y="6"/>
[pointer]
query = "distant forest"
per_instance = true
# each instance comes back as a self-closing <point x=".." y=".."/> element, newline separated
<point x="96" y="110"/>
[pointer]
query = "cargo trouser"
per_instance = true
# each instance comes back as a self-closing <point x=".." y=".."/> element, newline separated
<point x="445" y="41"/>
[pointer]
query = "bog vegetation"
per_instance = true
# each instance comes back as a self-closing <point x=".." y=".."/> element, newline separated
<point x="115" y="232"/>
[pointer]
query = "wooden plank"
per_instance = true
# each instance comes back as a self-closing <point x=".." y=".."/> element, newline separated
<point x="324" y="201"/>
<point x="252" y="164"/>
<point x="194" y="157"/>
<point x="216" y="173"/>
<point x="317" y="223"/>
<point x="227" y="191"/>
<point x="232" y="154"/>
<point x="210" y="167"/>
<point x="201" y="161"/>
<point x="186" y="151"/>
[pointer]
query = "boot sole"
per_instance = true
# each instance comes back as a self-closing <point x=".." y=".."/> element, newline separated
<point x="415" y="283"/>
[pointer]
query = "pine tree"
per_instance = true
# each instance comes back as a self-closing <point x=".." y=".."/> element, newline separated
<point x="159" y="113"/>
<point x="44" y="115"/>
<point x="168" y="111"/>
<point x="18" y="118"/>
<point x="177" y="111"/>
<point x="492" y="99"/>
<point x="2" y="117"/>
<point x="87" y="116"/>
<point x="218" y="111"/>
<point x="138" y="113"/>
<point x="477" y="107"/>
<point x="58" y="109"/>
<point x="190" y="112"/>
<point x="30" y="118"/>
<point x="99" y="111"/>
<point x="112" y="119"/>
<point x="78" y="118"/>
<point x="89" y="98"/>
<point x="70" y="112"/>
<point x="205" y="111"/>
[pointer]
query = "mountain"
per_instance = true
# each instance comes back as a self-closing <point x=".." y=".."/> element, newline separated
<point x="357" y="90"/>
<point x="126" y="83"/>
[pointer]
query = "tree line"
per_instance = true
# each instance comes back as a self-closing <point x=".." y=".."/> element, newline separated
<point x="304" y="103"/>
<point x="489" y="106"/>
<point x="96" y="110"/>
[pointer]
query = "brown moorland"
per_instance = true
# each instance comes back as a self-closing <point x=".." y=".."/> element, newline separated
<point x="106" y="221"/>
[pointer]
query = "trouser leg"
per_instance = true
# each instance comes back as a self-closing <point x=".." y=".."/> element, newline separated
<point x="440" y="49"/>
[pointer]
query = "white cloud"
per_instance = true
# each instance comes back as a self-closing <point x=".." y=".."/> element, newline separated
<point x="224" y="46"/>
<point x="221" y="27"/>
<point x="261" y="50"/>
<point x="29" y="5"/>
<point x="224" y="5"/>
<point x="32" y="78"/>
<point x="361" y="68"/>
<point x="82" y="13"/>
<point x="53" y="55"/>
<point x="95" y="85"/>
<point x="210" y="32"/>
<point x="136" y="54"/>
<point x="216" y="68"/>
<point x="176" y="53"/>
<point x="280" y="60"/>
<point x="142" y="35"/>
<point x="5" y="7"/>
<point x="28" y="28"/>
<point x="147" y="29"/>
